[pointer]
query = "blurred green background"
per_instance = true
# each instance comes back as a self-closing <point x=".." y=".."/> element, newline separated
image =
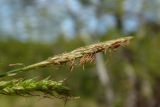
<point x="33" y="30"/>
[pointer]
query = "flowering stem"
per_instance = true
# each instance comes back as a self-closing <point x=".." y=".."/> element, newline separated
<point x="81" y="53"/>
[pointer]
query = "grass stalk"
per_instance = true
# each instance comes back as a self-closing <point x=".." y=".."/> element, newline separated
<point x="85" y="54"/>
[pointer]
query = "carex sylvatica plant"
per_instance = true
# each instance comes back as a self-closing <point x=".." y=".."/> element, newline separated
<point x="50" y="88"/>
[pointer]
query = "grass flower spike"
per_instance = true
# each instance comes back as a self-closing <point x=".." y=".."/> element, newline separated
<point x="85" y="54"/>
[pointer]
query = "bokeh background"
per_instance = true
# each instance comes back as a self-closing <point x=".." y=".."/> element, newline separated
<point x="33" y="30"/>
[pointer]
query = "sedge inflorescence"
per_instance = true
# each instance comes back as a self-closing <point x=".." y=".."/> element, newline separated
<point x="30" y="87"/>
<point x="48" y="87"/>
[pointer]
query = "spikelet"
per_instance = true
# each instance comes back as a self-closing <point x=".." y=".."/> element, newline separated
<point x="30" y="87"/>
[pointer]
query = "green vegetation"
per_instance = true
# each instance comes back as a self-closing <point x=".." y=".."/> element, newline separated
<point x="28" y="87"/>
